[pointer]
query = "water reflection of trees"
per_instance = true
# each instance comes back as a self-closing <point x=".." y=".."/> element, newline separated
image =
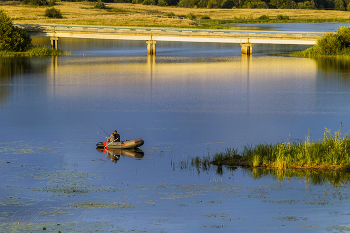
<point x="315" y="177"/>
<point x="333" y="65"/>
<point x="10" y="67"/>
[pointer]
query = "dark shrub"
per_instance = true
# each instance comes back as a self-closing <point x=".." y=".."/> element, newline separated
<point x="12" y="38"/>
<point x="53" y="13"/>
<point x="35" y="2"/>
<point x="264" y="17"/>
<point x="99" y="5"/>
<point x="205" y="17"/>
<point x="282" y="17"/>
<point x="191" y="16"/>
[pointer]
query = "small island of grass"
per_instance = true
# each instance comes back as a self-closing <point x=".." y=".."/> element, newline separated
<point x="332" y="152"/>
<point x="330" y="45"/>
<point x="16" y="42"/>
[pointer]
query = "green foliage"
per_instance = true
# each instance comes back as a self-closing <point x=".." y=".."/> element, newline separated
<point x="191" y="16"/>
<point x="51" y="3"/>
<point x="339" y="5"/>
<point x="12" y="38"/>
<point x="283" y="4"/>
<point x="187" y="3"/>
<point x="171" y="14"/>
<point x="330" y="150"/>
<point x="42" y="51"/>
<point x="307" y="5"/>
<point x="99" y="5"/>
<point x="330" y="44"/>
<point x="282" y="17"/>
<point x="252" y="4"/>
<point x="227" y="4"/>
<point x="53" y="13"/>
<point x="162" y="3"/>
<point x="264" y="17"/>
<point x="205" y="17"/>
<point x="149" y="2"/>
<point x="35" y="2"/>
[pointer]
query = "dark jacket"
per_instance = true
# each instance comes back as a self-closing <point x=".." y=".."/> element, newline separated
<point x="116" y="137"/>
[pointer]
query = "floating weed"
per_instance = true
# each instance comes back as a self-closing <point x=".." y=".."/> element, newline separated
<point x="338" y="228"/>
<point x="18" y="227"/>
<point x="64" y="182"/>
<point x="100" y="205"/>
<point x="323" y="203"/>
<point x="150" y="202"/>
<point x="308" y="227"/>
<point x="223" y="216"/>
<point x="281" y="201"/>
<point x="291" y="218"/>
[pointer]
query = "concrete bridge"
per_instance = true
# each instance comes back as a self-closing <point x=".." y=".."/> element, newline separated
<point x="245" y="38"/>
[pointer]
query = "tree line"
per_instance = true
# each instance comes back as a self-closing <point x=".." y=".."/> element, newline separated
<point x="341" y="5"/>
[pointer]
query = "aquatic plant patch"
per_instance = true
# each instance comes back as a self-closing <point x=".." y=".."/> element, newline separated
<point x="332" y="152"/>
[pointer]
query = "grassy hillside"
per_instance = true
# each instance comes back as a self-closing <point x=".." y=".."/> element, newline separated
<point x="124" y="14"/>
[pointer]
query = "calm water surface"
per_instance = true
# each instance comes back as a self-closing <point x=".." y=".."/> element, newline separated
<point x="190" y="100"/>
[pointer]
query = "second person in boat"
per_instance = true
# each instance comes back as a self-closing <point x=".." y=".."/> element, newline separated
<point x="116" y="136"/>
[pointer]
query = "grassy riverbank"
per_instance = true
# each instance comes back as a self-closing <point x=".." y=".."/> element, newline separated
<point x="124" y="14"/>
<point x="332" y="152"/>
<point x="33" y="52"/>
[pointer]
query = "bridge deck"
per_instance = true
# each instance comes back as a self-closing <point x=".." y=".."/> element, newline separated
<point x="172" y="34"/>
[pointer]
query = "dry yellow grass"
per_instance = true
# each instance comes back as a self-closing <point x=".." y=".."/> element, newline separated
<point x="119" y="14"/>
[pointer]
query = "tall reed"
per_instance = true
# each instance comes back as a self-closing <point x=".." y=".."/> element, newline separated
<point x="331" y="150"/>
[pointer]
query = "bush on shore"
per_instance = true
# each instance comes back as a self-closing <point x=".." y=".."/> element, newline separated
<point x="330" y="44"/>
<point x="53" y="13"/>
<point x="12" y="38"/>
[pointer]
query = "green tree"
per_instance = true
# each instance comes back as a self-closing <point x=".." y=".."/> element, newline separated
<point x="53" y="13"/>
<point x="283" y="4"/>
<point x="329" y="44"/>
<point x="162" y="3"/>
<point x="339" y="5"/>
<point x="99" y="5"/>
<point x="11" y="37"/>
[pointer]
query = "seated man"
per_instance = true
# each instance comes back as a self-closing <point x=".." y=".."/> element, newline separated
<point x="116" y="136"/>
<point x="110" y="138"/>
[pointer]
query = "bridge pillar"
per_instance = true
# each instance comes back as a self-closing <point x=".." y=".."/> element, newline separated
<point x="247" y="48"/>
<point x="54" y="42"/>
<point x="151" y="47"/>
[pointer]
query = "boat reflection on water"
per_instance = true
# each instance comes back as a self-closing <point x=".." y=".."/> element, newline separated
<point x="114" y="154"/>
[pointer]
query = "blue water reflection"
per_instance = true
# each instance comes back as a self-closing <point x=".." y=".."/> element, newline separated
<point x="183" y="104"/>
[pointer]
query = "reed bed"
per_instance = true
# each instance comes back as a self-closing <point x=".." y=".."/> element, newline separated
<point x="33" y="52"/>
<point x="329" y="153"/>
<point x="332" y="152"/>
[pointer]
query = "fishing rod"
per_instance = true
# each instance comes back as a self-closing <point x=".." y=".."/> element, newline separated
<point x="100" y="127"/>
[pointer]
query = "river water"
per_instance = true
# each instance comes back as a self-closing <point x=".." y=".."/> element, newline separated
<point x="189" y="100"/>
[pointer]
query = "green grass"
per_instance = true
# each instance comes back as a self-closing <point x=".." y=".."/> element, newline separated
<point x="33" y="52"/>
<point x="332" y="152"/>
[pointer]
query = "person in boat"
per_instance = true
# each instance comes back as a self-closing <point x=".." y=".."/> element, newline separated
<point x="111" y="138"/>
<point x="116" y="136"/>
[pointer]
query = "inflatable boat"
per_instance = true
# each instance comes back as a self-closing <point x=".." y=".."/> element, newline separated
<point x="129" y="144"/>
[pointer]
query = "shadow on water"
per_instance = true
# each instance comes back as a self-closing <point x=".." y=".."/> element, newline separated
<point x="333" y="65"/>
<point x="114" y="154"/>
<point x="335" y="178"/>
<point x="11" y="67"/>
<point x="315" y="177"/>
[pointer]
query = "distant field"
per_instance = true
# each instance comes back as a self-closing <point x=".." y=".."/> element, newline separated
<point x="122" y="14"/>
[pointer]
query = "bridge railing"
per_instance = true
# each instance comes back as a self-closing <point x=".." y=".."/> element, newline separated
<point x="170" y="31"/>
